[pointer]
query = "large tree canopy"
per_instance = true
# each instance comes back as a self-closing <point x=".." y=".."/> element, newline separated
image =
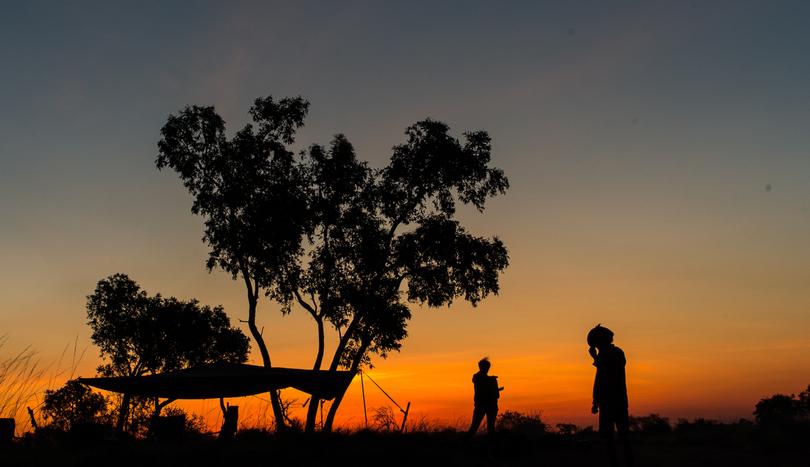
<point x="351" y="245"/>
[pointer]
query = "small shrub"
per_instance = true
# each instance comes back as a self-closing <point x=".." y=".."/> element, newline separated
<point x="74" y="404"/>
<point x="516" y="422"/>
<point x="254" y="434"/>
<point x="194" y="424"/>
<point x="384" y="419"/>
<point x="422" y="425"/>
<point x="652" y="424"/>
<point x="567" y="429"/>
<point x="698" y="424"/>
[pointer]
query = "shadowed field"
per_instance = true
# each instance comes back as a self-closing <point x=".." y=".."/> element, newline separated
<point x="421" y="449"/>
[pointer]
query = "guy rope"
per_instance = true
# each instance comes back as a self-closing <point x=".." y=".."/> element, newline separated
<point x="365" y="414"/>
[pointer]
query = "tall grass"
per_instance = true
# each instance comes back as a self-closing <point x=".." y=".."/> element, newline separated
<point x="23" y="379"/>
<point x="20" y="379"/>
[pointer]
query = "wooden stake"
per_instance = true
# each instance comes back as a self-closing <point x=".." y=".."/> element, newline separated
<point x="405" y="417"/>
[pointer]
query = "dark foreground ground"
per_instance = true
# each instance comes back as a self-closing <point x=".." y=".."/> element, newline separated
<point x="413" y="449"/>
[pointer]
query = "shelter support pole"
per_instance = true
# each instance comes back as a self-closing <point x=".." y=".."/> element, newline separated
<point x="363" y="391"/>
<point x="405" y="417"/>
<point x="321" y="402"/>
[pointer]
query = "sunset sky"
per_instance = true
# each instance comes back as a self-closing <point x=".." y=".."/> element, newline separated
<point x="658" y="153"/>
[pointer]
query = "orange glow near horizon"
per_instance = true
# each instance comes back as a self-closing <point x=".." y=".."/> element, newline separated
<point x="555" y="384"/>
<point x="688" y="354"/>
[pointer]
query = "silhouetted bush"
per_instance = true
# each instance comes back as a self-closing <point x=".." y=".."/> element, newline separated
<point x="516" y="422"/>
<point x="698" y="424"/>
<point x="708" y="432"/>
<point x="171" y="428"/>
<point x="422" y="424"/>
<point x="384" y="419"/>
<point x="652" y="424"/>
<point x="567" y="429"/>
<point x="781" y="411"/>
<point x="254" y="434"/>
<point x="74" y="405"/>
<point x="193" y="426"/>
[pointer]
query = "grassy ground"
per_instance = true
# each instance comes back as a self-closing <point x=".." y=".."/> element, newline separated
<point x="414" y="449"/>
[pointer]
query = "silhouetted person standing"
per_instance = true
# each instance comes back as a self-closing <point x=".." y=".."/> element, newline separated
<point x="486" y="397"/>
<point x="610" y="392"/>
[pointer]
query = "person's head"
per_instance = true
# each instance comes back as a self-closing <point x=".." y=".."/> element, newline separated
<point x="600" y="337"/>
<point x="484" y="364"/>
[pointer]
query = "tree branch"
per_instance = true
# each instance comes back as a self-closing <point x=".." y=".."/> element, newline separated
<point x="305" y="305"/>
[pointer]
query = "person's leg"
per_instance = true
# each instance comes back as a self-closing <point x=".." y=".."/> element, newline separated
<point x="623" y="429"/>
<point x="606" y="424"/>
<point x="492" y="416"/>
<point x="478" y="416"/>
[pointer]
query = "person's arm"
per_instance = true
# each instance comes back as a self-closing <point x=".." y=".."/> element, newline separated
<point x="495" y="391"/>
<point x="592" y="351"/>
<point x="495" y="384"/>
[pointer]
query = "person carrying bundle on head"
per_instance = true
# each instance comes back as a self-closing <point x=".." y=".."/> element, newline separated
<point x="610" y="391"/>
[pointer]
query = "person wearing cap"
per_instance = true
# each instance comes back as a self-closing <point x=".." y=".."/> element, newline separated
<point x="610" y="391"/>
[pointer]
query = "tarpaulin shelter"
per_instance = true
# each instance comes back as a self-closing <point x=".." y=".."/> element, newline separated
<point x="225" y="380"/>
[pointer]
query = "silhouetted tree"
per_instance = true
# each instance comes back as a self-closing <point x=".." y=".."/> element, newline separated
<point x="346" y="243"/>
<point x="780" y="410"/>
<point x="404" y="242"/>
<point x="138" y="334"/>
<point x="252" y="195"/>
<point x="74" y="404"/>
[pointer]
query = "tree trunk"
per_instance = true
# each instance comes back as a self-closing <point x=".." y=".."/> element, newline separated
<point x="343" y="342"/>
<point x="336" y="359"/>
<point x="314" y="401"/>
<point x="278" y="414"/>
<point x="123" y="413"/>
<point x="319" y="356"/>
<point x="330" y="417"/>
<point x="312" y="414"/>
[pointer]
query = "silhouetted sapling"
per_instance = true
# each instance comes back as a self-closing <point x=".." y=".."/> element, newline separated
<point x="72" y="405"/>
<point x="138" y="334"/>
